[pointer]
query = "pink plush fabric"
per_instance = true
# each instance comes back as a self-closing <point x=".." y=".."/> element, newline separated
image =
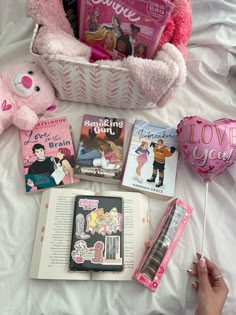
<point x="55" y="35"/>
<point x="25" y="92"/>
<point x="179" y="26"/>
<point x="158" y="78"/>
<point x="49" y="13"/>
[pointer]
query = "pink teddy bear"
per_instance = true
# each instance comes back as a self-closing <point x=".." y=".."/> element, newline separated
<point x="25" y="92"/>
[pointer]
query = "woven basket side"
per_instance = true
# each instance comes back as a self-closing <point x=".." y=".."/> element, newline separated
<point x="92" y="83"/>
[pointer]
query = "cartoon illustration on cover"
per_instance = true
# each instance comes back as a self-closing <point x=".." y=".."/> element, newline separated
<point x="100" y="151"/>
<point x="124" y="28"/>
<point x="97" y="232"/>
<point x="153" y="151"/>
<point x="161" y="152"/>
<point x="142" y="158"/>
<point x="48" y="155"/>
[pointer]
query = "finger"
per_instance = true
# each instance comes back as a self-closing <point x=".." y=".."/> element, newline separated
<point x="195" y="285"/>
<point x="213" y="270"/>
<point x="203" y="275"/>
<point x="192" y="273"/>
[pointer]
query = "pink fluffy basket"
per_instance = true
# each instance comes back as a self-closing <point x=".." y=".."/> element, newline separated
<point x="78" y="81"/>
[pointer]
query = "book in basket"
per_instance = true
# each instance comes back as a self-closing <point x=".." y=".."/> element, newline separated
<point x="100" y="150"/>
<point x="151" y="162"/>
<point x="124" y="28"/>
<point x="48" y="154"/>
<point x="53" y="238"/>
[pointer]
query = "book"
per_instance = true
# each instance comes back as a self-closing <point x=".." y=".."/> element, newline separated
<point x="100" y="150"/>
<point x="151" y="161"/>
<point x="124" y="28"/>
<point x="71" y="9"/>
<point x="97" y="235"/>
<point x="52" y="244"/>
<point x="48" y="154"/>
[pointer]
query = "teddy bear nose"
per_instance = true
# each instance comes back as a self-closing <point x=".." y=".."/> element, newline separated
<point x="27" y="81"/>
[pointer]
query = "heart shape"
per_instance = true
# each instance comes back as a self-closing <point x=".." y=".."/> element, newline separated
<point x="6" y="106"/>
<point x="212" y="145"/>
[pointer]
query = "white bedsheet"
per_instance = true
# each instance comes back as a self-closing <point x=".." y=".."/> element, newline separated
<point x="210" y="93"/>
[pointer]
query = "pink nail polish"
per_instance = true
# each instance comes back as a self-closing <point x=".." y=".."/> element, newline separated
<point x="202" y="263"/>
<point x="190" y="270"/>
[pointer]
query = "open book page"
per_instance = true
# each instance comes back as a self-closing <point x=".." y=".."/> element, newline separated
<point x="38" y="242"/>
<point x="136" y="233"/>
<point x="57" y="209"/>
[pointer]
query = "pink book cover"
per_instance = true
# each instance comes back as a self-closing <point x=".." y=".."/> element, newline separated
<point x="48" y="154"/>
<point x="154" y="262"/>
<point x="123" y="28"/>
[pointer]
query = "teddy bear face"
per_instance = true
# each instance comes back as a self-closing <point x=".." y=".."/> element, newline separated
<point x="29" y="86"/>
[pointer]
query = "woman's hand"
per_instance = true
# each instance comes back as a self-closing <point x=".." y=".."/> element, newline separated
<point x="211" y="288"/>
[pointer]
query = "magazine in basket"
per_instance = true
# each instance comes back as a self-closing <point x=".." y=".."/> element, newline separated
<point x="120" y="28"/>
<point x="100" y="150"/>
<point x="48" y="154"/>
<point x="151" y="162"/>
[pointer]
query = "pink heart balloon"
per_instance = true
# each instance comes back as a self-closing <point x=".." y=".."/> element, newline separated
<point x="207" y="147"/>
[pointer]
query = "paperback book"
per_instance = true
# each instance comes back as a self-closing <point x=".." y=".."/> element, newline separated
<point x="48" y="154"/>
<point x="100" y="150"/>
<point x="151" y="162"/>
<point x="97" y="235"/>
<point x="124" y="28"/>
<point x="53" y="239"/>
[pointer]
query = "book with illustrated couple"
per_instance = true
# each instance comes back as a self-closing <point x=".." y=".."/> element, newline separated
<point x="48" y="154"/>
<point x="151" y="162"/>
<point x="80" y="232"/>
<point x="100" y="150"/>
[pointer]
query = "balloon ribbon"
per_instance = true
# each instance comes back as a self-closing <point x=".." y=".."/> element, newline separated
<point x="204" y="220"/>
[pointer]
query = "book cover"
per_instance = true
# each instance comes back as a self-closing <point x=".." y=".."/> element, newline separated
<point x="100" y="150"/>
<point x="48" y="154"/>
<point x="97" y="236"/>
<point x="71" y="9"/>
<point x="123" y="28"/>
<point x="151" y="162"/>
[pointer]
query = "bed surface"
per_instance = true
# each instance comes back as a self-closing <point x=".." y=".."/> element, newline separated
<point x="209" y="93"/>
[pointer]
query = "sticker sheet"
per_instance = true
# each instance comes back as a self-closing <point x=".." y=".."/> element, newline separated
<point x="97" y="237"/>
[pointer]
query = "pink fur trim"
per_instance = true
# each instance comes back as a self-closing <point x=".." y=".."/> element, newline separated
<point x="159" y="78"/>
<point x="179" y="27"/>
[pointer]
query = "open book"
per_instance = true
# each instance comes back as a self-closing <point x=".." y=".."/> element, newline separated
<point x="51" y="252"/>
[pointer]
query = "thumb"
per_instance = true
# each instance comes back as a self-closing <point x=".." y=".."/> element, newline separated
<point x="203" y="274"/>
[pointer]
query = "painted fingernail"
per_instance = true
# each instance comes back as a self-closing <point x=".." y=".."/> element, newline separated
<point x="202" y="263"/>
<point x="190" y="270"/>
<point x="195" y="262"/>
<point x="194" y="284"/>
